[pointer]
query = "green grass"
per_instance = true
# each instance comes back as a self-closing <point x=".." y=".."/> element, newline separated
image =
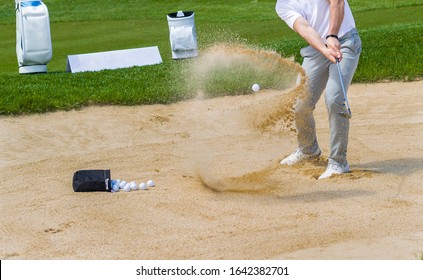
<point x="391" y="32"/>
<point x="63" y="91"/>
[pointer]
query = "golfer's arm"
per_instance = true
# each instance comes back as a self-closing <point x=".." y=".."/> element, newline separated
<point x="305" y="30"/>
<point x="336" y="16"/>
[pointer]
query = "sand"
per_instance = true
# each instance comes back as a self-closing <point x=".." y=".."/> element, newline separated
<point x="221" y="193"/>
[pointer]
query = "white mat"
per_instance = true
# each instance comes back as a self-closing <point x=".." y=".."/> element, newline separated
<point x="113" y="59"/>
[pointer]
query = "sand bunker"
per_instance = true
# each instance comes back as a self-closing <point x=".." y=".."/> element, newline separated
<point x="220" y="193"/>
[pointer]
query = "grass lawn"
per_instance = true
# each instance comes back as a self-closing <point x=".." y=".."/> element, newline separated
<point x="391" y="31"/>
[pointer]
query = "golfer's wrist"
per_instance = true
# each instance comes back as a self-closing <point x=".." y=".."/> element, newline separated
<point x="332" y="36"/>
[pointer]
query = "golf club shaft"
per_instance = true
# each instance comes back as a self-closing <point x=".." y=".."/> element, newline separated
<point x="347" y="106"/>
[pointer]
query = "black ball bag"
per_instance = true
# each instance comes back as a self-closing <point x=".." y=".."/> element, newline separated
<point x="92" y="181"/>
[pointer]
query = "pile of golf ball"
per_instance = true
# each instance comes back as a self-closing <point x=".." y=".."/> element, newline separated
<point x="118" y="185"/>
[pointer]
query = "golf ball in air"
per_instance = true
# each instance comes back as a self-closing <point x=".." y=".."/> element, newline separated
<point x="255" y="87"/>
<point x="143" y="186"/>
<point x="150" y="183"/>
<point x="127" y="188"/>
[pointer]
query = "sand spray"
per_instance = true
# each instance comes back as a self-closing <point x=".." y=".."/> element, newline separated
<point x="231" y="69"/>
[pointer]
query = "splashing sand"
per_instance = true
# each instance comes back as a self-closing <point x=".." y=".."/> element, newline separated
<point x="275" y="107"/>
<point x="236" y="60"/>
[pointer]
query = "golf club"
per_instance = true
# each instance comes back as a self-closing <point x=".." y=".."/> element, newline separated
<point x="347" y="106"/>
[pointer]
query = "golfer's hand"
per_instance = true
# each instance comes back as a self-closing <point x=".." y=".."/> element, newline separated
<point x="335" y="47"/>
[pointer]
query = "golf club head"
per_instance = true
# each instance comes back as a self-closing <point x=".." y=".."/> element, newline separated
<point x="346" y="115"/>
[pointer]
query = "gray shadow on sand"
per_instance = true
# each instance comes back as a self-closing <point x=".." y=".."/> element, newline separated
<point x="403" y="167"/>
<point x="319" y="196"/>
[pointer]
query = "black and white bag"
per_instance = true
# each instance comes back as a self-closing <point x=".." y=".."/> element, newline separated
<point x="92" y="181"/>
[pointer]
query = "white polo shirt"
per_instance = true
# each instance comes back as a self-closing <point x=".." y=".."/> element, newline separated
<point x="316" y="12"/>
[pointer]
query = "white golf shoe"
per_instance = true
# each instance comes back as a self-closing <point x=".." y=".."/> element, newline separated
<point x="334" y="168"/>
<point x="298" y="156"/>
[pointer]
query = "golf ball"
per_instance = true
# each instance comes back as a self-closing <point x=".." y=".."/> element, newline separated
<point x="143" y="186"/>
<point x="133" y="186"/>
<point x="150" y="183"/>
<point x="127" y="188"/>
<point x="255" y="87"/>
<point x="115" y="188"/>
<point x="122" y="184"/>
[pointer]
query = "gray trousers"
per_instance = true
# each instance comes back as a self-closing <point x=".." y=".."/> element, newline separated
<point x="323" y="75"/>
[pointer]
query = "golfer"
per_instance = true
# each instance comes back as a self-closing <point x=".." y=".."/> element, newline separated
<point x="328" y="27"/>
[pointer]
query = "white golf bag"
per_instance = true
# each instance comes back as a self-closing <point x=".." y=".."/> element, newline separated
<point x="183" y="39"/>
<point x="33" y="40"/>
